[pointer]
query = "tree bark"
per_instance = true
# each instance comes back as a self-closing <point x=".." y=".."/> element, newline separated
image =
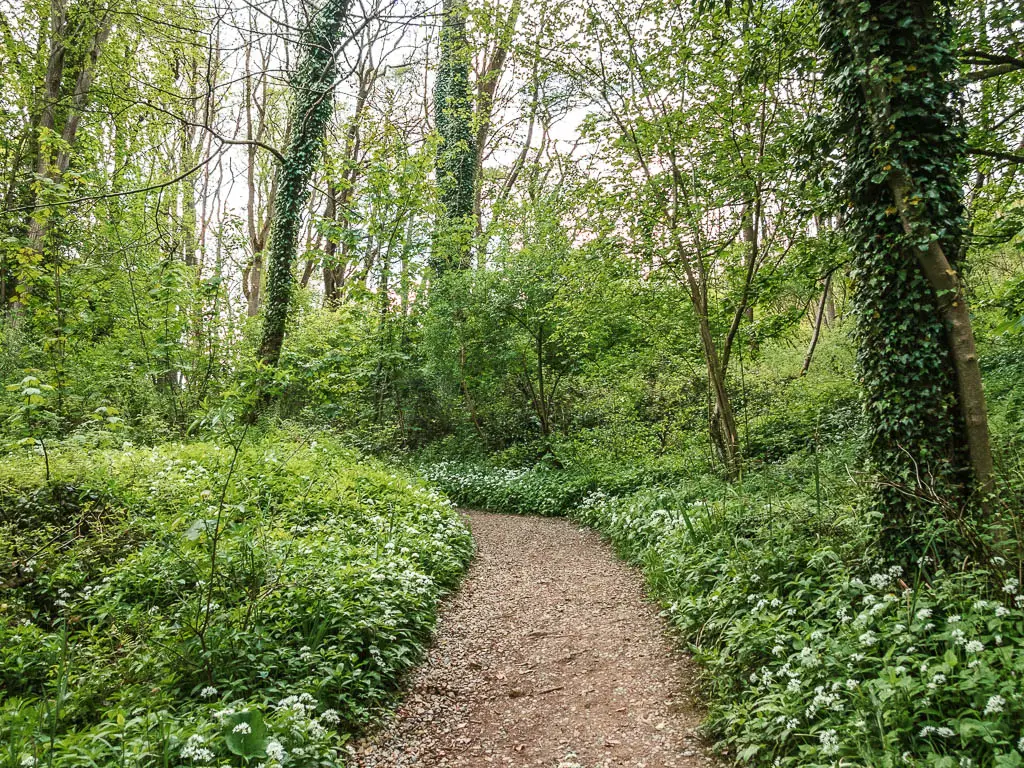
<point x="486" y="88"/>
<point x="952" y="302"/>
<point x="53" y="169"/>
<point x="313" y="88"/>
<point x="340" y="201"/>
<point x="818" y="321"/>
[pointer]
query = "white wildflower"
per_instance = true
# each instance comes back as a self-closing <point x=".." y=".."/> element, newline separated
<point x="195" y="751"/>
<point x="975" y="646"/>
<point x="879" y="581"/>
<point x="330" y="717"/>
<point x="208" y="692"/>
<point x="937" y="680"/>
<point x="275" y="751"/>
<point x="829" y="742"/>
<point x="994" y="705"/>
<point x="242" y="728"/>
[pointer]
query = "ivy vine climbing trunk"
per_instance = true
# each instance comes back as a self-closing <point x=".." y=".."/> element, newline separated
<point x="456" y="163"/>
<point x="313" y="86"/>
<point x="891" y="67"/>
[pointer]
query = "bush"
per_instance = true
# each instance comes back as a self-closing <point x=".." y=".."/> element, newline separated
<point x="167" y="606"/>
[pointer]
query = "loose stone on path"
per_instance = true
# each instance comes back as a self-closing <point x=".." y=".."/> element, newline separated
<point x="549" y="655"/>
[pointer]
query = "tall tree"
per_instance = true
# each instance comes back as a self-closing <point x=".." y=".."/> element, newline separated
<point x="312" y="85"/>
<point x="891" y="75"/>
<point x="456" y="158"/>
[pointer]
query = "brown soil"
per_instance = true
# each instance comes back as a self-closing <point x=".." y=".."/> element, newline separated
<point x="549" y="655"/>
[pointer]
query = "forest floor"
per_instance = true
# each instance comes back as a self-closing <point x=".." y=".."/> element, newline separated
<point x="549" y="655"/>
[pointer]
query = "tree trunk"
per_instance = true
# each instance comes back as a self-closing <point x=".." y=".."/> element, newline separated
<point x="456" y="158"/>
<point x="486" y="88"/>
<point x="952" y="302"/>
<point x="818" y="321"/>
<point x="891" y="73"/>
<point x="312" y="87"/>
<point x="50" y="168"/>
<point x="339" y="202"/>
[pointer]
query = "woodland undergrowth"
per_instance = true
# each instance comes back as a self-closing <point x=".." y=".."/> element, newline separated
<point x="231" y="602"/>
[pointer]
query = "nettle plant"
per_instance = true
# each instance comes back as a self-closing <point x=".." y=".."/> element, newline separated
<point x="33" y="417"/>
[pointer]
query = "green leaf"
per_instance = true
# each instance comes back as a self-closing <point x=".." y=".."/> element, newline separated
<point x="246" y="735"/>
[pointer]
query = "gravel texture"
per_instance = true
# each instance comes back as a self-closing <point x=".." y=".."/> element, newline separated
<point x="549" y="655"/>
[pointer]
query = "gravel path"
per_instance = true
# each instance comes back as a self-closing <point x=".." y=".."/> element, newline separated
<point x="549" y="655"/>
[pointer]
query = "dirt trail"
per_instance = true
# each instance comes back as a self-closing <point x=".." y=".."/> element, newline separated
<point x="549" y="655"/>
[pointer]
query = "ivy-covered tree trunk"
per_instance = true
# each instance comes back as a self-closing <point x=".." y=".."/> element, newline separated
<point x="456" y="157"/>
<point x="891" y="73"/>
<point x="313" y="89"/>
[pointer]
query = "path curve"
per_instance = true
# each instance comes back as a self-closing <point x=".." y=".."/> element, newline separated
<point x="548" y="655"/>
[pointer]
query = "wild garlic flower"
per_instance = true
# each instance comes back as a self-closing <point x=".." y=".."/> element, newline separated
<point x="330" y="717"/>
<point x="994" y="705"/>
<point x="195" y="751"/>
<point x="829" y="742"/>
<point x="275" y="751"/>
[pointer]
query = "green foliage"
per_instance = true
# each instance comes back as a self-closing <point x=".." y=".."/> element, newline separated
<point x="817" y="651"/>
<point x="166" y="601"/>
<point x="535" y="491"/>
